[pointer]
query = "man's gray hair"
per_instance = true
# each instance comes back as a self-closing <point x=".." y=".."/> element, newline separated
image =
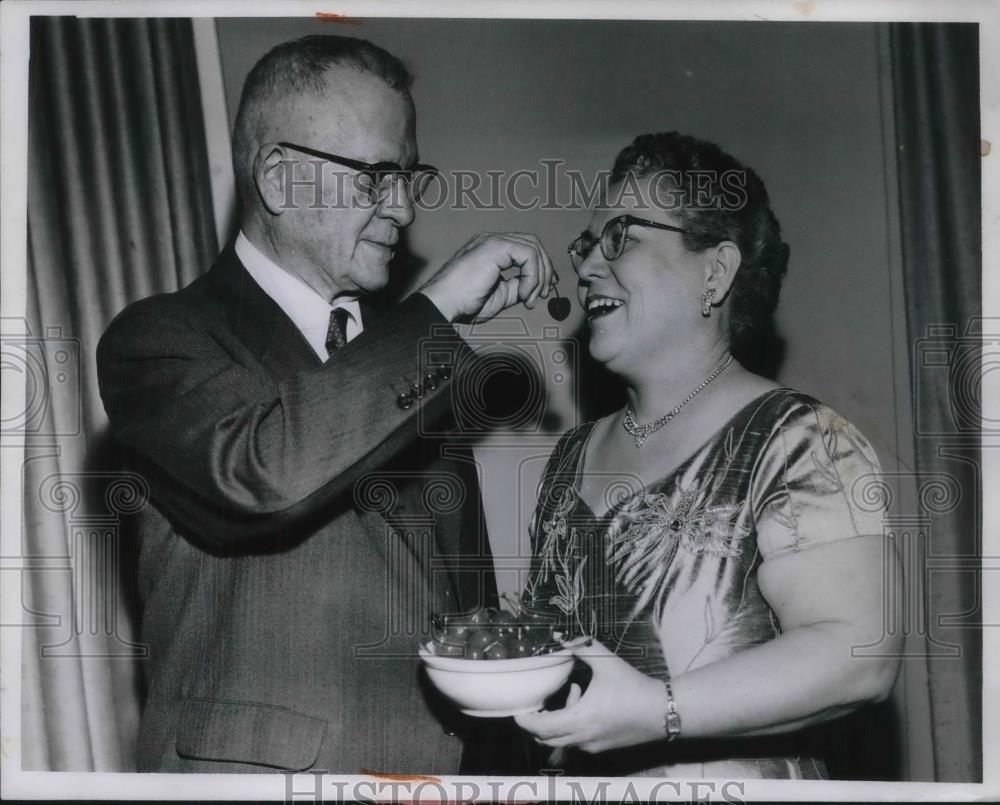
<point x="294" y="68"/>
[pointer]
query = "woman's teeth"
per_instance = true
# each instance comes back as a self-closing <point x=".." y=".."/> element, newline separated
<point x="602" y="307"/>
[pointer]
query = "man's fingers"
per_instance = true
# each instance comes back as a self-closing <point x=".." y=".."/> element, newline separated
<point x="545" y="272"/>
<point x="550" y="272"/>
<point x="510" y="287"/>
<point x="504" y="295"/>
<point x="529" y="256"/>
<point x="467" y="286"/>
<point x="529" y="272"/>
<point x="526" y="279"/>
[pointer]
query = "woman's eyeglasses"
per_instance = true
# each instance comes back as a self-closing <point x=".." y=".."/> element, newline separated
<point x="376" y="178"/>
<point x="612" y="239"/>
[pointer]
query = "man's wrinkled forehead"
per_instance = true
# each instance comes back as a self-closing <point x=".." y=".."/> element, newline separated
<point x="351" y="109"/>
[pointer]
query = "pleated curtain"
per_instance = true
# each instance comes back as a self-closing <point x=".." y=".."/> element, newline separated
<point x="119" y="208"/>
<point x="936" y="92"/>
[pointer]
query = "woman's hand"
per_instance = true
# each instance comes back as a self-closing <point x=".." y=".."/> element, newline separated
<point x="622" y="707"/>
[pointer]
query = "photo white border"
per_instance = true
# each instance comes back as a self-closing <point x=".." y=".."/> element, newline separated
<point x="14" y="40"/>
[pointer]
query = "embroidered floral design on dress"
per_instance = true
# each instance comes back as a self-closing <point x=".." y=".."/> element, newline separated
<point x="569" y="583"/>
<point x="555" y="528"/>
<point x="650" y="528"/>
<point x="557" y="560"/>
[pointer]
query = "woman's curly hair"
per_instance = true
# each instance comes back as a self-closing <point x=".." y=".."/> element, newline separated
<point x="720" y="199"/>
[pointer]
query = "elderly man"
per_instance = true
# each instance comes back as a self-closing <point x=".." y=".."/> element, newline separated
<point x="302" y="527"/>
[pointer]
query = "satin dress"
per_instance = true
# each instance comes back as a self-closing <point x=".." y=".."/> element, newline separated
<point x="667" y="578"/>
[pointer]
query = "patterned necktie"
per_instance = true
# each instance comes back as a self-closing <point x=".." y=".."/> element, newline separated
<point x="336" y="334"/>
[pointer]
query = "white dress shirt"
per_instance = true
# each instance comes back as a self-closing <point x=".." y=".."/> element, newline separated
<point x="309" y="311"/>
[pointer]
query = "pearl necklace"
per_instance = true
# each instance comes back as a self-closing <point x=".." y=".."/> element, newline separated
<point x="641" y="432"/>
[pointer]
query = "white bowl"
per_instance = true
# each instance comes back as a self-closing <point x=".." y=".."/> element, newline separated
<point x="497" y="688"/>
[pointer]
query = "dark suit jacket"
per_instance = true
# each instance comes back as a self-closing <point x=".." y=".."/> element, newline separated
<point x="299" y="533"/>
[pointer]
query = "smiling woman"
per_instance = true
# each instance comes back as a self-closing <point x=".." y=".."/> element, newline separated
<point x="710" y="536"/>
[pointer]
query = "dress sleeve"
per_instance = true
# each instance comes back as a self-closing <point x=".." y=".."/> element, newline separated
<point x="808" y="484"/>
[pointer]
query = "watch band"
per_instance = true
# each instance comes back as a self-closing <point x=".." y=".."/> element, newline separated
<point x="671" y="718"/>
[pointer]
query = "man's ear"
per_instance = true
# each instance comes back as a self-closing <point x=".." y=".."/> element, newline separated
<point x="271" y="175"/>
<point x="725" y="259"/>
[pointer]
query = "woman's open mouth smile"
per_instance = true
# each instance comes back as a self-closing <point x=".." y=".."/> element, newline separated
<point x="600" y="306"/>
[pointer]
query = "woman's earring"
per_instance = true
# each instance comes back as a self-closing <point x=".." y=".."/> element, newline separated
<point x="706" y="303"/>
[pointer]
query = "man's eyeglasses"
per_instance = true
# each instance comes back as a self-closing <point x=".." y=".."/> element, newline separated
<point x="612" y="239"/>
<point x="376" y="178"/>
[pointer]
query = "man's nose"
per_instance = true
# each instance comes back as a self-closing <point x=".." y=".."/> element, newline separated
<point x="397" y="204"/>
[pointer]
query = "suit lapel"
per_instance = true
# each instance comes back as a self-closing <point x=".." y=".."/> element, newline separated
<point x="258" y="321"/>
<point x="373" y="310"/>
<point x="288" y="351"/>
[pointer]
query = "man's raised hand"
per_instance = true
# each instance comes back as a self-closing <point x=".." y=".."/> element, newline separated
<point x="471" y="286"/>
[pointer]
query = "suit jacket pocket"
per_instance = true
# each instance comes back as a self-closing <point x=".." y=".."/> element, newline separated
<point x="247" y="732"/>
